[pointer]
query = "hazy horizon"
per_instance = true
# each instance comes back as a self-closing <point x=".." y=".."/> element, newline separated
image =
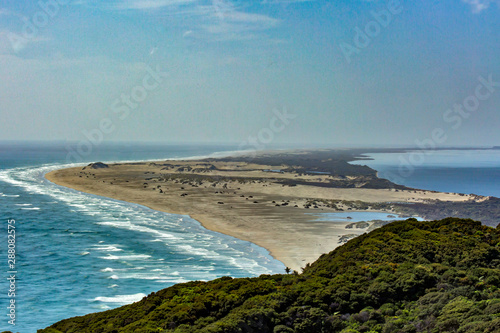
<point x="74" y="143"/>
<point x="265" y="73"/>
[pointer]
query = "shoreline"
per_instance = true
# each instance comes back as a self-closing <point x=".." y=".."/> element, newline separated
<point x="213" y="227"/>
<point x="244" y="200"/>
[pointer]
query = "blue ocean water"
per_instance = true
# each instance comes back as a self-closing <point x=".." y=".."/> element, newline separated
<point x="459" y="171"/>
<point x="78" y="253"/>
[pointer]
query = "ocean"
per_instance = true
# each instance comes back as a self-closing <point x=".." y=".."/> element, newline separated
<point x="459" y="171"/>
<point x="77" y="253"/>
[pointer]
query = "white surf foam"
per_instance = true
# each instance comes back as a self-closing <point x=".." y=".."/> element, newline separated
<point x="134" y="227"/>
<point x="121" y="299"/>
<point x="108" y="249"/>
<point x="129" y="257"/>
<point x="162" y="227"/>
<point x="140" y="276"/>
<point x="181" y="280"/>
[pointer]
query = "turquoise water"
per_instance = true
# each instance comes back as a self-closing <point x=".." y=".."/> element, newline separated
<point x="78" y="253"/>
<point x="460" y="171"/>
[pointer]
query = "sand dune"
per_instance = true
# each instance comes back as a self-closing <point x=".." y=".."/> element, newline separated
<point x="243" y="200"/>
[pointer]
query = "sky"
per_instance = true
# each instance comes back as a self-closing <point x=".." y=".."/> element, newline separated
<point x="265" y="72"/>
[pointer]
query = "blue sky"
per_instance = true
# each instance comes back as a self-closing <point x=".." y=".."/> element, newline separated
<point x="227" y="67"/>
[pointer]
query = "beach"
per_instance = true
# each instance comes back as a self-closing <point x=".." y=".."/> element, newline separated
<point x="272" y="205"/>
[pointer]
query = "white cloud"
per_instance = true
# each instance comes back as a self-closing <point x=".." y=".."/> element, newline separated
<point x="231" y="23"/>
<point x="151" y="4"/>
<point x="220" y="20"/>
<point x="271" y="2"/>
<point x="480" y="5"/>
<point x="236" y="16"/>
<point x="133" y="4"/>
<point x="203" y="19"/>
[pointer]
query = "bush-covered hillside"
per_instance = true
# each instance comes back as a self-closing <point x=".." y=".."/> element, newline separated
<point x="409" y="276"/>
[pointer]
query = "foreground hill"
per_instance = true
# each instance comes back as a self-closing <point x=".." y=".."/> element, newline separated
<point x="409" y="276"/>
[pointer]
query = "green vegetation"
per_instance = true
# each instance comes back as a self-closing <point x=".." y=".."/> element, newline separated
<point x="407" y="276"/>
<point x="329" y="161"/>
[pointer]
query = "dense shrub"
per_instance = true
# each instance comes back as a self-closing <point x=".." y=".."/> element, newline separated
<point x="408" y="276"/>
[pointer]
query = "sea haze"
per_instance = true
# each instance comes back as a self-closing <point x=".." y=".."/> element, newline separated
<point x="79" y="253"/>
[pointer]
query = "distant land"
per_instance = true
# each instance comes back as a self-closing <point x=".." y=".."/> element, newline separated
<point x="274" y="199"/>
<point x="382" y="276"/>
